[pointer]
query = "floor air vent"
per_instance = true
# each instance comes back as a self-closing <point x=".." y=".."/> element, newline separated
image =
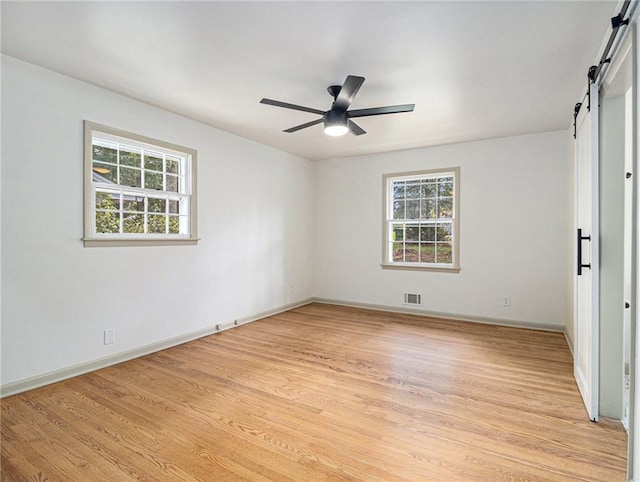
<point x="412" y="299"/>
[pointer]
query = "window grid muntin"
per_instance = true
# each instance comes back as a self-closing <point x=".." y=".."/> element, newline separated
<point x="398" y="191"/>
<point x="182" y="216"/>
<point x="181" y="195"/>
<point x="181" y="161"/>
<point x="436" y="243"/>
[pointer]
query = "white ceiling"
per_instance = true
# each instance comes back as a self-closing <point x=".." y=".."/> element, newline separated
<point x="474" y="69"/>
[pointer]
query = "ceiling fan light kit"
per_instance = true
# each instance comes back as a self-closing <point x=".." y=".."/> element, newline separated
<point x="335" y="123"/>
<point x="337" y="120"/>
<point x="335" y="130"/>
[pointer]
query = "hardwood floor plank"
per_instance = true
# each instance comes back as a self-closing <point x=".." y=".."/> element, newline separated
<point x="187" y="421"/>
<point x="321" y="393"/>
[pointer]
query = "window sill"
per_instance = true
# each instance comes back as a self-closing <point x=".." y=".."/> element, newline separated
<point x="417" y="267"/>
<point x="103" y="242"/>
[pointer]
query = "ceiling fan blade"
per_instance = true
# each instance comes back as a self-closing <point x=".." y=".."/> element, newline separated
<point x="285" y="105"/>
<point x="355" y="129"/>
<point x="348" y="91"/>
<point x="303" y="126"/>
<point x="390" y="109"/>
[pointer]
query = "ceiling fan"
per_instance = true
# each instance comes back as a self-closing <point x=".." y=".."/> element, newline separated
<point x="337" y="120"/>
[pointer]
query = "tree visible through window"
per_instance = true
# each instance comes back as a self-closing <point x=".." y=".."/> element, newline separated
<point x="138" y="188"/>
<point x="421" y="219"/>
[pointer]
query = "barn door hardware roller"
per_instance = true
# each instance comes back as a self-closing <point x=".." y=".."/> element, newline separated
<point x="618" y="21"/>
<point x="580" y="263"/>
<point x="576" y="111"/>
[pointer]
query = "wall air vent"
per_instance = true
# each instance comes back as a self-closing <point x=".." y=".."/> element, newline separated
<point x="412" y="299"/>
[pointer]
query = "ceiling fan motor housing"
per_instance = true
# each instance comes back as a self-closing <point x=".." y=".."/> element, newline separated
<point x="335" y="117"/>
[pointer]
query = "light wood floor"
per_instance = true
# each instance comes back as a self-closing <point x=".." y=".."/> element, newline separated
<point x="321" y="393"/>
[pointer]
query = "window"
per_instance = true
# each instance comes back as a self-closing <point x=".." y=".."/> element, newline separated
<point x="137" y="190"/>
<point x="421" y="220"/>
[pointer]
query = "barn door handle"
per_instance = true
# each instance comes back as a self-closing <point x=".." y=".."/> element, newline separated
<point x="580" y="263"/>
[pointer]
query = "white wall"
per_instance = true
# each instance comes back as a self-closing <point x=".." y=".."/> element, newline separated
<point x="58" y="297"/>
<point x="514" y="228"/>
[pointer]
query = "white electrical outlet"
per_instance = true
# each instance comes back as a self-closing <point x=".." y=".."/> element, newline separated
<point x="109" y="336"/>
<point x="506" y="300"/>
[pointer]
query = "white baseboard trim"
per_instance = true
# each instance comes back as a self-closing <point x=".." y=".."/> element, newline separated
<point x="569" y="344"/>
<point x="449" y="316"/>
<point x="20" y="386"/>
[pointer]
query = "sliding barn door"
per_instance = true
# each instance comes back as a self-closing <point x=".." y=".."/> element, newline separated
<point x="586" y="320"/>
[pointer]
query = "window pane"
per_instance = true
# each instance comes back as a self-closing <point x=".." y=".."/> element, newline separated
<point x="445" y="187"/>
<point x="107" y="201"/>
<point x="444" y="253"/>
<point x="429" y="189"/>
<point x="411" y="252"/>
<point x="397" y="232"/>
<point x="130" y="177"/>
<point x="130" y="156"/>
<point x="174" y="224"/>
<point x="413" y="210"/>
<point x="174" y="207"/>
<point x="173" y="183"/>
<point x="133" y="223"/>
<point x="153" y="180"/>
<point x="156" y="223"/>
<point x="105" y="152"/>
<point x="427" y="232"/>
<point x="153" y="160"/>
<point x="443" y="232"/>
<point x="157" y="205"/>
<point x="412" y="232"/>
<point x="397" y="252"/>
<point x="132" y="203"/>
<point x="413" y="189"/>
<point x="428" y="209"/>
<point x="445" y="207"/>
<point x="398" y="189"/>
<point x="398" y="209"/>
<point x="105" y="173"/>
<point x="427" y="252"/>
<point x="173" y="165"/>
<point x="107" y="222"/>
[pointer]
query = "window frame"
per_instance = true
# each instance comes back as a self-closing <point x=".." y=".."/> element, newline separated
<point x="93" y="239"/>
<point x="387" y="220"/>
